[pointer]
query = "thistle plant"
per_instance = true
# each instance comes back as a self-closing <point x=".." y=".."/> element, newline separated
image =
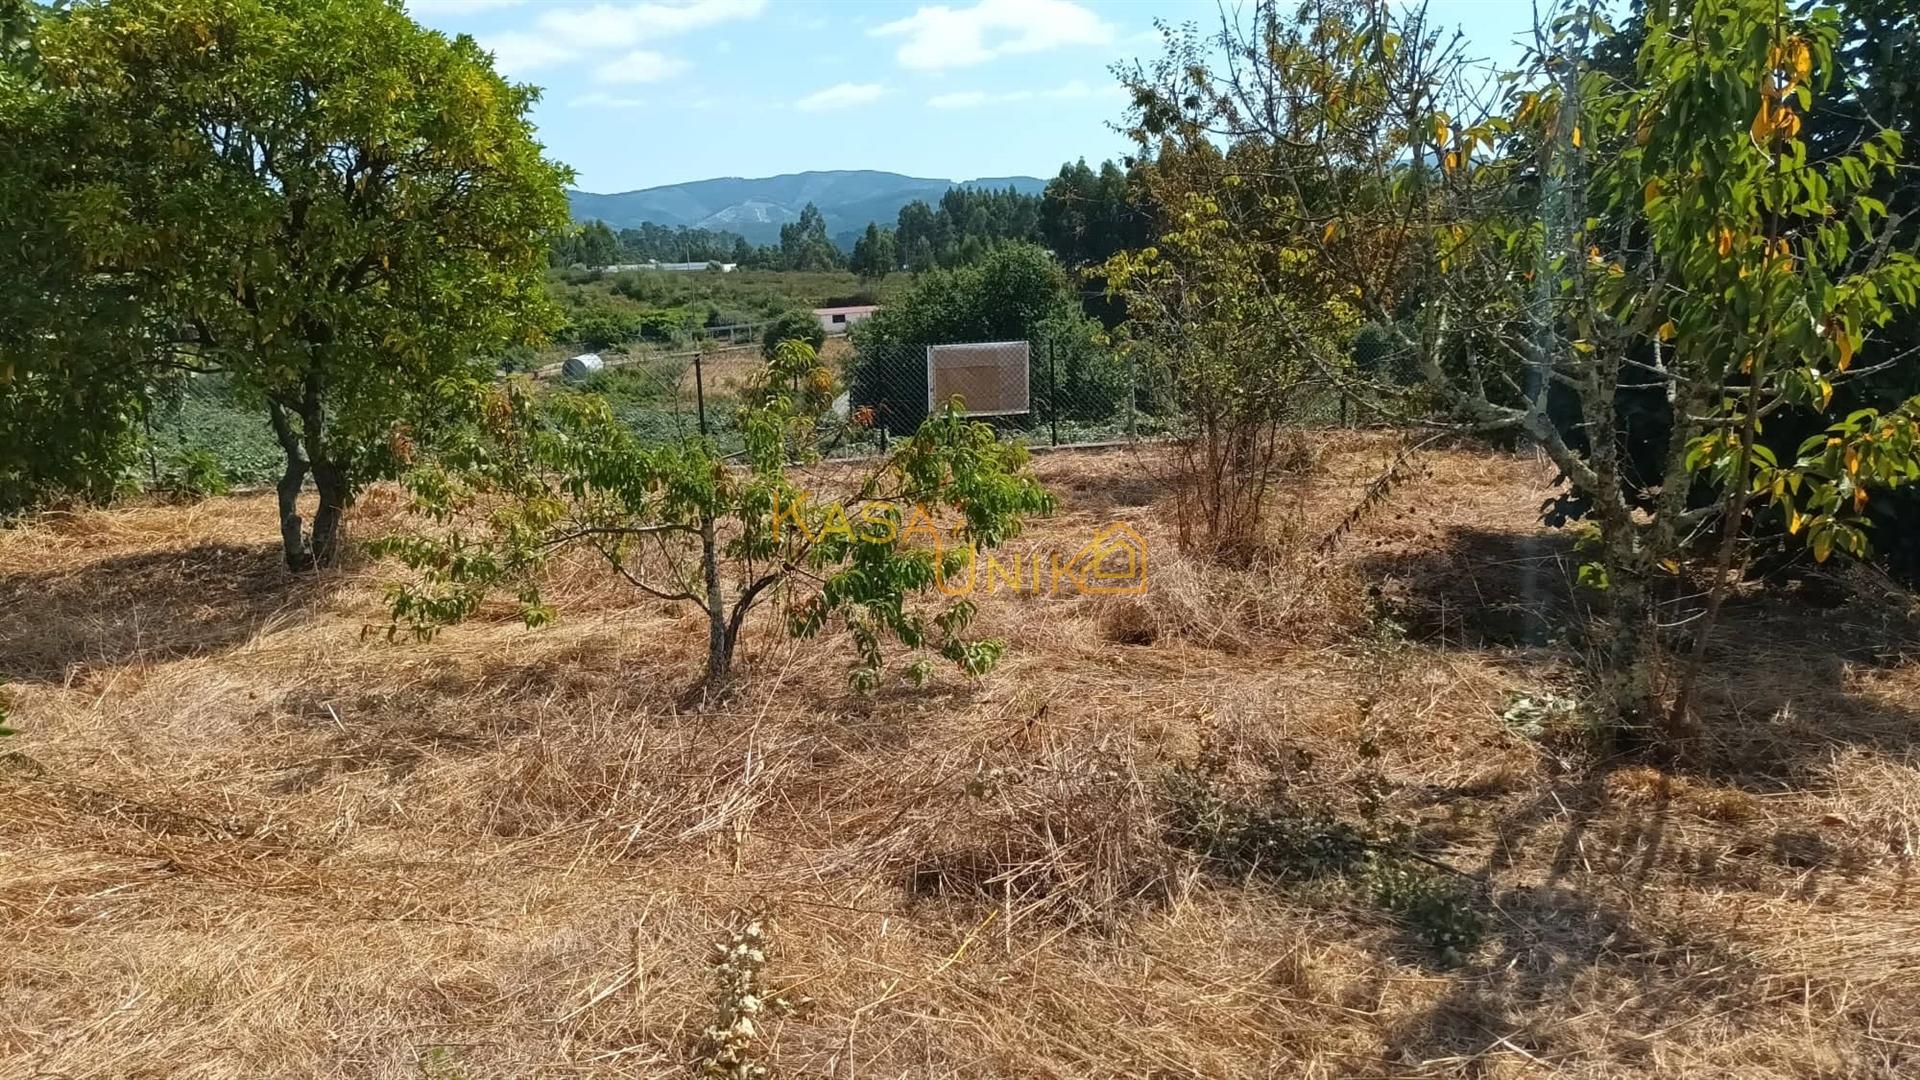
<point x="742" y="1002"/>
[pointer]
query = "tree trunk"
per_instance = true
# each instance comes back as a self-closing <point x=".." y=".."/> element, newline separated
<point x="324" y="544"/>
<point x="719" y="641"/>
<point x="1632" y="683"/>
<point x="293" y="539"/>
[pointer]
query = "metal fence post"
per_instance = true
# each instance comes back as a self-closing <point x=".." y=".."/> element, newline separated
<point x="1053" y="399"/>
<point x="1133" y="393"/>
<point x="700" y="389"/>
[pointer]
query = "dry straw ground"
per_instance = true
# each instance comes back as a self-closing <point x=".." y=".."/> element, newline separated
<point x="241" y="836"/>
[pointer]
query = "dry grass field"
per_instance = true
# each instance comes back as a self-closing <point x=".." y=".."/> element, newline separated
<point x="244" y="835"/>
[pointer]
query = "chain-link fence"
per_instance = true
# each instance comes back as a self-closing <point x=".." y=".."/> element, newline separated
<point x="665" y="395"/>
<point x="1049" y="390"/>
<point x="1053" y="389"/>
<point x="204" y="424"/>
<point x="1065" y="389"/>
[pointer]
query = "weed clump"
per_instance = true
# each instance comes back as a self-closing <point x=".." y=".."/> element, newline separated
<point x="1290" y="842"/>
<point x="741" y="1003"/>
<point x="1285" y="841"/>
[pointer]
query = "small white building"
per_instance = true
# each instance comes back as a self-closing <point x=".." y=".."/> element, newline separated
<point x="836" y="320"/>
<point x="675" y="267"/>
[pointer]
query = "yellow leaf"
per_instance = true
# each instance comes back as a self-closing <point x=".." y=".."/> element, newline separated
<point x="1652" y="190"/>
<point x="1826" y="393"/>
<point x="1762" y="127"/>
<point x="1326" y="235"/>
<point x="1452" y="161"/>
<point x="1853" y="461"/>
<point x="1801" y="59"/>
<point x="1794" y="521"/>
<point x="1576" y="136"/>
<point x="1667" y="330"/>
<point x="1723" y="243"/>
<point x="1859" y="499"/>
<point x="1845" y="342"/>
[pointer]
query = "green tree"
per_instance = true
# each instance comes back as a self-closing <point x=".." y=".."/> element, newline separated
<point x="804" y="244"/>
<point x="1009" y="295"/>
<point x="793" y="325"/>
<point x="1087" y="217"/>
<point x="919" y="255"/>
<point x="967" y="222"/>
<point x="548" y="473"/>
<point x="80" y="355"/>
<point x="592" y="245"/>
<point x="1721" y="272"/>
<point x="1243" y="332"/>
<point x="1017" y="292"/>
<point x="342" y="210"/>
<point x="874" y="253"/>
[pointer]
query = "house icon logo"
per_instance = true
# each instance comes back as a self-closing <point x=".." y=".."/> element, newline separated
<point x="1113" y="563"/>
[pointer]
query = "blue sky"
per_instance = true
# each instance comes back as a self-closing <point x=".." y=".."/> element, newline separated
<point x="661" y="91"/>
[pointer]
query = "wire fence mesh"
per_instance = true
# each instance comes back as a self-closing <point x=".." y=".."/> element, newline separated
<point x="1052" y="389"/>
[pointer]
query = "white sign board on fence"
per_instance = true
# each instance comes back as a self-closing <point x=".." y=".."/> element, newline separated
<point x="990" y="378"/>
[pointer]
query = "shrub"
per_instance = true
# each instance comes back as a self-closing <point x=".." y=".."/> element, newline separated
<point x="195" y="474"/>
<point x="519" y="359"/>
<point x="1017" y="292"/>
<point x="548" y="473"/>
<point x="794" y="325"/>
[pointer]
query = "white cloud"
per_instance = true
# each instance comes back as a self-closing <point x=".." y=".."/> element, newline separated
<point x="600" y="99"/>
<point x="562" y="33"/>
<point x="841" y="96"/>
<point x="943" y="37"/>
<point x="963" y="99"/>
<point x="1075" y="90"/>
<point x="516" y="52"/>
<point x="458" y="7"/>
<point x="641" y="66"/>
<point x="618" y="26"/>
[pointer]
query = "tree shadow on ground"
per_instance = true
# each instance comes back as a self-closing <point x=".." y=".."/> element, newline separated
<point x="1584" y="922"/>
<point x="147" y="607"/>
<point x="1479" y="588"/>
<point x="1792" y="673"/>
<point x="1782" y="685"/>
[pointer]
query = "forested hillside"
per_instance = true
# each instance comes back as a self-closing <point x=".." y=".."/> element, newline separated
<point x="757" y="208"/>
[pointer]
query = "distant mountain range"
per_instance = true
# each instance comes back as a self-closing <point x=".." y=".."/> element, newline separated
<point x="756" y="209"/>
